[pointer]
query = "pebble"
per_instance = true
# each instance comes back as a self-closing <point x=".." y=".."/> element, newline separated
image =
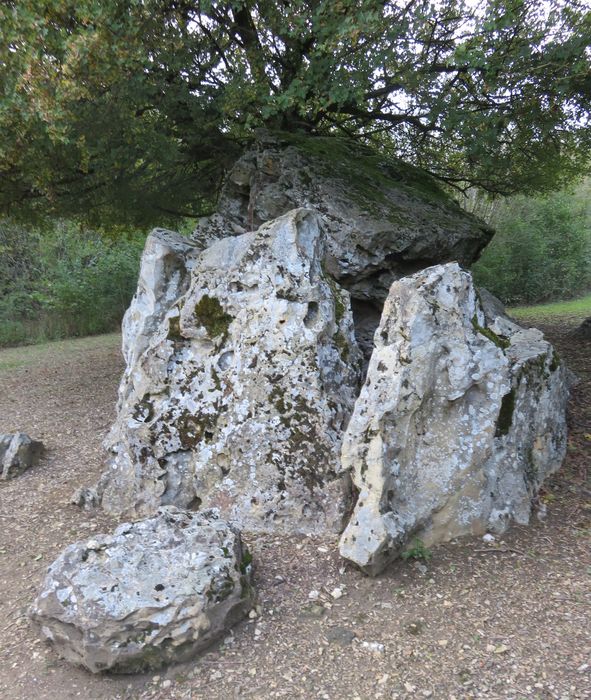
<point x="313" y="595"/>
<point x="336" y="593"/>
<point x="488" y="537"/>
<point x="375" y="647"/>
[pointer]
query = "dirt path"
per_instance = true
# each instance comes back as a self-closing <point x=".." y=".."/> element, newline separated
<point x="511" y="620"/>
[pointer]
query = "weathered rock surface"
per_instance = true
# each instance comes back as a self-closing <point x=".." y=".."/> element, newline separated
<point x="242" y="371"/>
<point x="154" y="592"/>
<point x="459" y="421"/>
<point x="383" y="219"/>
<point x="18" y="453"/>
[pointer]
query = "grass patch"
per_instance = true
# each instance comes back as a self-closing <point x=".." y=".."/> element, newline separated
<point x="16" y="358"/>
<point x="575" y="309"/>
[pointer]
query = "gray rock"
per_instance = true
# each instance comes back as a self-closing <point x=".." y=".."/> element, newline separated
<point x="155" y="592"/>
<point x="384" y="219"/>
<point x="18" y="453"/>
<point x="584" y="330"/>
<point x="240" y="379"/>
<point x="458" y="423"/>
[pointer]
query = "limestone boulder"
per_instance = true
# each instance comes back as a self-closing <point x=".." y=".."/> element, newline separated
<point x="152" y="593"/>
<point x="383" y="218"/>
<point x="18" y="452"/>
<point x="460" y="419"/>
<point x="241" y="375"/>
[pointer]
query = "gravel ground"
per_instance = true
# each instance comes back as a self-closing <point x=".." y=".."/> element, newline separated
<point x="509" y="619"/>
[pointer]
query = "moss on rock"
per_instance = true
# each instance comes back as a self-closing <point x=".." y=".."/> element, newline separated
<point x="505" y="418"/>
<point x="210" y="314"/>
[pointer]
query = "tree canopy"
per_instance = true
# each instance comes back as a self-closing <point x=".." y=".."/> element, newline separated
<point x="132" y="109"/>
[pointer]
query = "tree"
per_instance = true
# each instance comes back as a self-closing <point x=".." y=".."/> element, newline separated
<point x="132" y="109"/>
<point x="541" y="250"/>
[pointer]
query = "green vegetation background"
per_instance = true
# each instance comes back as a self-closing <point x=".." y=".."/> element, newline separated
<point x="542" y="248"/>
<point x="64" y="281"/>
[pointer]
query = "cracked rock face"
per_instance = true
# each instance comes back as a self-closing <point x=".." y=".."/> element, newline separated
<point x="242" y="371"/>
<point x="18" y="453"/>
<point x="459" y="421"/>
<point x="154" y="592"/>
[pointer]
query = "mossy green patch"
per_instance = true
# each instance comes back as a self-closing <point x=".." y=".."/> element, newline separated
<point x="216" y="379"/>
<point x="342" y="345"/>
<point x="502" y="343"/>
<point x="174" y="328"/>
<point x="369" y="175"/>
<point x="192" y="429"/>
<point x="505" y="419"/>
<point x="221" y="589"/>
<point x="555" y="362"/>
<point x="278" y="399"/>
<point x="246" y="561"/>
<point x="210" y="314"/>
<point x="143" y="411"/>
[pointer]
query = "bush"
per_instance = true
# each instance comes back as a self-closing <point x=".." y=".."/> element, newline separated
<point x="541" y="250"/>
<point x="64" y="281"/>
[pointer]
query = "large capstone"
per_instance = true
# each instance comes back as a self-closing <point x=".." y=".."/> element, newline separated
<point x="383" y="218"/>
<point x="153" y="593"/>
<point x="458" y="423"/>
<point x="18" y="452"/>
<point x="241" y="376"/>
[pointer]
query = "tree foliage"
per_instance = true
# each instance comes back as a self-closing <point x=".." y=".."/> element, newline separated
<point x="128" y="108"/>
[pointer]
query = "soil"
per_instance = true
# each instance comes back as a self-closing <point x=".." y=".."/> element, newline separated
<point x="509" y="619"/>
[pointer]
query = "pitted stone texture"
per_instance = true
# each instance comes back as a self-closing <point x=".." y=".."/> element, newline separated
<point x="18" y="452"/>
<point x="457" y="425"/>
<point x="239" y="395"/>
<point x="384" y="219"/>
<point x="155" y="592"/>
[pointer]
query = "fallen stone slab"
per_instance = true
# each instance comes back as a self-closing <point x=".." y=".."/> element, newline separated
<point x="460" y="419"/>
<point x="154" y="592"/>
<point x="18" y="452"/>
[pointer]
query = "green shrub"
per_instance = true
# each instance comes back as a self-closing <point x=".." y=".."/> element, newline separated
<point x="64" y="281"/>
<point x="541" y="250"/>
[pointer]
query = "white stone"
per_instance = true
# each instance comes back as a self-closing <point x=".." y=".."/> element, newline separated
<point x="156" y="592"/>
<point x="455" y="427"/>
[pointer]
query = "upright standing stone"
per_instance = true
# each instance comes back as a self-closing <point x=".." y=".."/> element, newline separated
<point x="457" y="424"/>
<point x="237" y="391"/>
